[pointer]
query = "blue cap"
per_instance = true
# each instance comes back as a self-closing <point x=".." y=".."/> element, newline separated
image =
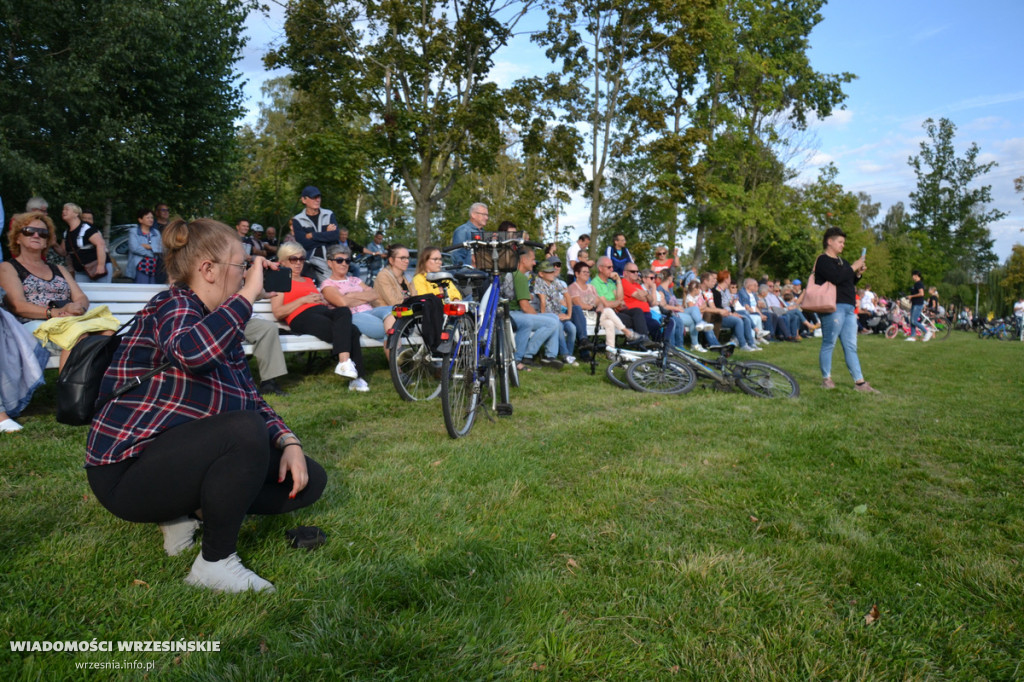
<point x="796" y="281"/>
<point x="310" y="192"/>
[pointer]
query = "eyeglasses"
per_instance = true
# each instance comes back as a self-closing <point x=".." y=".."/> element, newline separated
<point x="244" y="266"/>
<point x="435" y="260"/>
<point x="296" y="259"/>
<point x="650" y="277"/>
<point x="339" y="260"/>
<point x="632" y="271"/>
<point x="35" y="231"/>
<point x="400" y="257"/>
<point x="661" y="253"/>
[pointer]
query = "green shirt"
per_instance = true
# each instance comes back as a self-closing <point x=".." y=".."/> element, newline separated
<point x="521" y="288"/>
<point x="605" y="290"/>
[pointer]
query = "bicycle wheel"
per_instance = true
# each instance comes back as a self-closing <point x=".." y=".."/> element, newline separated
<point x="504" y="365"/>
<point x="1003" y="335"/>
<point x="616" y="373"/>
<point x="460" y="393"/>
<point x="652" y="375"/>
<point x="413" y="374"/>
<point x="510" y="342"/>
<point x="892" y="331"/>
<point x="765" y="380"/>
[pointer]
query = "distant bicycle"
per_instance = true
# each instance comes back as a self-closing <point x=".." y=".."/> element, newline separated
<point x="997" y="329"/>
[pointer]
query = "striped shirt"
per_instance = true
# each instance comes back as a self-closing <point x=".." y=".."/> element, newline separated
<point x="208" y="375"/>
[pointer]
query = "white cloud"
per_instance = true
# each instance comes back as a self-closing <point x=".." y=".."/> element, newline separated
<point x="839" y="118"/>
<point x="927" y="33"/>
<point x="987" y="101"/>
<point x="821" y="159"/>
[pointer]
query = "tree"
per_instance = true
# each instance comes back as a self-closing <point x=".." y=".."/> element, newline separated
<point x="948" y="208"/>
<point x="1013" y="283"/>
<point x="119" y="101"/>
<point x="418" y="72"/>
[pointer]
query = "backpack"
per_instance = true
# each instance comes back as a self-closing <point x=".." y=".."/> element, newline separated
<point x="78" y="385"/>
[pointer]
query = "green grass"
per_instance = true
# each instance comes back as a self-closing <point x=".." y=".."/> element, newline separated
<point x="595" y="534"/>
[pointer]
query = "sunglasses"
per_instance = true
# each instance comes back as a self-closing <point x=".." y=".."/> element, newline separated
<point x="631" y="271"/>
<point x="339" y="260"/>
<point x="296" y="259"/>
<point x="37" y="231"/>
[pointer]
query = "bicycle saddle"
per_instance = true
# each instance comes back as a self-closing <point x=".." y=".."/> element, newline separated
<point x="439" y="276"/>
<point x="726" y="349"/>
<point x="471" y="275"/>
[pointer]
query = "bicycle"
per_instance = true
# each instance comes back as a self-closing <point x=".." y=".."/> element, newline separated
<point x="479" y="369"/>
<point x="756" y="378"/>
<point x="415" y="370"/>
<point x="997" y="329"/>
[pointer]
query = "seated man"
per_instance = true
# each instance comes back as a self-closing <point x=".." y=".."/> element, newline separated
<point x="266" y="348"/>
<point x="534" y="331"/>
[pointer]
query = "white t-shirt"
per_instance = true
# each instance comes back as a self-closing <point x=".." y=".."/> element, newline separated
<point x="573" y="254"/>
<point x="867" y="301"/>
<point x="1018" y="307"/>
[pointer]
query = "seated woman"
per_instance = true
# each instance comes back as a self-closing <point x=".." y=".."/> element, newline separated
<point x="21" y="371"/>
<point x="430" y="261"/>
<point x="145" y="249"/>
<point x="596" y="308"/>
<point x="391" y="284"/>
<point x="305" y="310"/>
<point x="343" y="290"/>
<point x="197" y="440"/>
<point x="551" y="299"/>
<point x="37" y="292"/>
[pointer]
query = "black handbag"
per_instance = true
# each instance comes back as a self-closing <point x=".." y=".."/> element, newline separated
<point x="78" y="385"/>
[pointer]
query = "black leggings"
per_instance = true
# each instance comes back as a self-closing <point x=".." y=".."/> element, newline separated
<point x="634" y="320"/>
<point x="224" y="465"/>
<point x="334" y="326"/>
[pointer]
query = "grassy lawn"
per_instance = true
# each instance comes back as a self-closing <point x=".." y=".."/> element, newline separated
<point x="595" y="534"/>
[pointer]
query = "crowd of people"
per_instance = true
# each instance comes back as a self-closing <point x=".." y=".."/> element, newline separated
<point x="242" y="458"/>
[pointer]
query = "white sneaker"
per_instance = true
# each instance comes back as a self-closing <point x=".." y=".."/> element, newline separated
<point x="179" y="534"/>
<point x="9" y="426"/>
<point x="571" y="360"/>
<point x="911" y="339"/>
<point x="704" y="326"/>
<point x="347" y="369"/>
<point x="226" y="575"/>
<point x="359" y="385"/>
<point x="927" y="336"/>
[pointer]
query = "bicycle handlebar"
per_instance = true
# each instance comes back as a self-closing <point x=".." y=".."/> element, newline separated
<point x="480" y="243"/>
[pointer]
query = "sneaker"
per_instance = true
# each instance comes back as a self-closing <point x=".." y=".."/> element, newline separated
<point x="911" y="339"/>
<point x="704" y="326"/>
<point x="637" y="339"/>
<point x="864" y="387"/>
<point x="359" y="385"/>
<point x="347" y="369"/>
<point x="927" y="336"/>
<point x="697" y="348"/>
<point x="9" y="426"/>
<point x="828" y="383"/>
<point x="227" y="575"/>
<point x="610" y="357"/>
<point x="553" y="363"/>
<point x="179" y="534"/>
<point x="271" y="386"/>
<point x="571" y="361"/>
<point x="750" y="348"/>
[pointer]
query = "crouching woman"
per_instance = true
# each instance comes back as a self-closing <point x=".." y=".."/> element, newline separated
<point x="197" y="440"/>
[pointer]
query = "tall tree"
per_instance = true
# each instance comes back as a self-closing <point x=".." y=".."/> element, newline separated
<point x="949" y="208"/>
<point x="418" y="71"/>
<point x="119" y="101"/>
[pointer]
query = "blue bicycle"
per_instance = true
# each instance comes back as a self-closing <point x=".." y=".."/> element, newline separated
<point x="479" y="368"/>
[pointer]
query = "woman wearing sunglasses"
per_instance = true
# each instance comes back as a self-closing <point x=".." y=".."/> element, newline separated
<point x="305" y="310"/>
<point x="344" y="290"/>
<point x="662" y="261"/>
<point x="43" y="297"/>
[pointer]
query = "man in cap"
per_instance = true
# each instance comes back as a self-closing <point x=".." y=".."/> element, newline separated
<point x="315" y="229"/>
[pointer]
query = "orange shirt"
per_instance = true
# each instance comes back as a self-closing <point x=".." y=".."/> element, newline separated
<point x="300" y="287"/>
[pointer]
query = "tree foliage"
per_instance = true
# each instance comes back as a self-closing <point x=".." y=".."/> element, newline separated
<point x="119" y="101"/>
<point x="949" y="210"/>
<point x="417" y="72"/>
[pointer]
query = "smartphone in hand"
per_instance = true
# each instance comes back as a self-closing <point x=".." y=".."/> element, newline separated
<point x="277" y="280"/>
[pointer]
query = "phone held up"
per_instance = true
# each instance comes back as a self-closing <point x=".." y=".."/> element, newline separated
<point x="277" y="280"/>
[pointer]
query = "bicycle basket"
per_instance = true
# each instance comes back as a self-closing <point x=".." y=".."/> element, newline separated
<point x="508" y="254"/>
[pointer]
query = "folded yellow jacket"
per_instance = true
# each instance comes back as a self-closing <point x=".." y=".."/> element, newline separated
<point x="64" y="332"/>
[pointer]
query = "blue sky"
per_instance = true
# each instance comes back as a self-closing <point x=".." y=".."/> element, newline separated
<point x="914" y="59"/>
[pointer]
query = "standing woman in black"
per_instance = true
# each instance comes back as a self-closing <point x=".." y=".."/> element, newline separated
<point x="842" y="324"/>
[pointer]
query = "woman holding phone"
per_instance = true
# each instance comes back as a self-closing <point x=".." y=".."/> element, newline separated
<point x="842" y="324"/>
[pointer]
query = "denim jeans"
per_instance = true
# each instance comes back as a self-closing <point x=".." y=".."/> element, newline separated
<point x="915" y="315"/>
<point x="534" y="332"/>
<point x="579" y="321"/>
<point x="840" y="326"/>
<point x="371" y="322"/>
<point x="566" y="337"/>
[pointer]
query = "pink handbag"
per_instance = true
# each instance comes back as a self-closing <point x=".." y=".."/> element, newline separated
<point x="819" y="298"/>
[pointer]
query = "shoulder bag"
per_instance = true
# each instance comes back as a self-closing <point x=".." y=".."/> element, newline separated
<point x="819" y="298"/>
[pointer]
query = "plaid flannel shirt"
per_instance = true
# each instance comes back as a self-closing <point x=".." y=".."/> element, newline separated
<point x="208" y="375"/>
